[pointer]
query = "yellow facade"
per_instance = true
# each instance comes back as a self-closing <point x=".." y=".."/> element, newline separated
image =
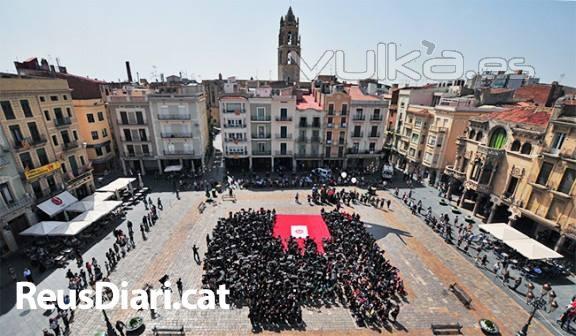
<point x="95" y="130"/>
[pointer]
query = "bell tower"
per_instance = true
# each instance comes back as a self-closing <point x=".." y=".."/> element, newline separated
<point x="289" y="48"/>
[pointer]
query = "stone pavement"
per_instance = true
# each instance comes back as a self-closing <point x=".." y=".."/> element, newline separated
<point x="427" y="264"/>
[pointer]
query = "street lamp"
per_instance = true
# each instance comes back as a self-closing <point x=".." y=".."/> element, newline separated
<point x="537" y="303"/>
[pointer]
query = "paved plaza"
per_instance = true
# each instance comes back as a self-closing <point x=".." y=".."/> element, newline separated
<point x="427" y="264"/>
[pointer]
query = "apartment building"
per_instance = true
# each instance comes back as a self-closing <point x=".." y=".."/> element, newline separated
<point x="132" y="125"/>
<point x="39" y="120"/>
<point x="236" y="128"/>
<point x="16" y="213"/>
<point x="335" y="103"/>
<point x="309" y="133"/>
<point x="547" y="207"/>
<point x="179" y="121"/>
<point x="283" y="130"/>
<point x="366" y="129"/>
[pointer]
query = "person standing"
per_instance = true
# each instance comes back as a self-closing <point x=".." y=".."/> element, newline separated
<point x="179" y="286"/>
<point x="55" y="326"/>
<point x="196" y="254"/>
<point x="28" y="275"/>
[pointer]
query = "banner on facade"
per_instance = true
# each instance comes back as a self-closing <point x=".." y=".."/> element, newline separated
<point x="35" y="173"/>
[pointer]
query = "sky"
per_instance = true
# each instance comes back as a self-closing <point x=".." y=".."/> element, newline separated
<point x="239" y="38"/>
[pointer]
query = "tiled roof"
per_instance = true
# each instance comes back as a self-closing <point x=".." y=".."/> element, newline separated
<point x="532" y="115"/>
<point x="307" y="102"/>
<point x="538" y="93"/>
<point x="357" y="94"/>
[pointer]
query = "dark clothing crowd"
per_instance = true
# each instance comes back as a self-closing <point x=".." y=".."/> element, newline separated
<point x="275" y="282"/>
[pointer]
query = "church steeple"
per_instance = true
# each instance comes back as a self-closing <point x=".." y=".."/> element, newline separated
<point x="289" y="48"/>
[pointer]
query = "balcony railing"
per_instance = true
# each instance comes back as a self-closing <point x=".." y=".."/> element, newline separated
<point x="235" y="140"/>
<point x="477" y="186"/>
<point x="376" y="117"/>
<point x="30" y="141"/>
<point x="283" y="153"/>
<point x="438" y="129"/>
<point x="236" y="111"/>
<point x="70" y="145"/>
<point x="174" y="116"/>
<point x="283" y="118"/>
<point x="260" y="118"/>
<point x="283" y="136"/>
<point x="176" y="134"/>
<point x="179" y="152"/>
<point x="374" y="135"/>
<point x="138" y="154"/>
<point x="491" y="152"/>
<point x="308" y="155"/>
<point x="62" y="122"/>
<point x="261" y="152"/>
<point x="16" y="205"/>
<point x="452" y="171"/>
<point x="234" y="125"/>
<point x="261" y="136"/>
<point x="357" y="117"/>
<point x="135" y="139"/>
<point x="236" y="153"/>
<point x="353" y="151"/>
<point x="357" y="135"/>
<point x="312" y="125"/>
<point x="133" y="122"/>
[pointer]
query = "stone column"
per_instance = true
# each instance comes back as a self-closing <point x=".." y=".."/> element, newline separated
<point x="512" y="220"/>
<point x="123" y="162"/>
<point x="294" y="164"/>
<point x="560" y="242"/>
<point x="272" y="164"/>
<point x="477" y="205"/>
<point x="250" y="163"/>
<point x="492" y="213"/>
<point x="462" y="198"/>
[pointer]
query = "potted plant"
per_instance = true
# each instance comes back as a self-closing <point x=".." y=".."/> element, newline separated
<point x="134" y="324"/>
<point x="489" y="327"/>
<point x="456" y="210"/>
<point x="443" y="202"/>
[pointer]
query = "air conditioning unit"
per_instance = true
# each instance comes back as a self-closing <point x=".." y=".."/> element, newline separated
<point x="329" y="142"/>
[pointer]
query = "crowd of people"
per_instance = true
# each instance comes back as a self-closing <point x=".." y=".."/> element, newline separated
<point x="244" y="255"/>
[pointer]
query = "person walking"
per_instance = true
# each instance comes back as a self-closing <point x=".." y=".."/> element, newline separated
<point x="179" y="286"/>
<point x="160" y="207"/>
<point x="177" y="194"/>
<point x="196" y="254"/>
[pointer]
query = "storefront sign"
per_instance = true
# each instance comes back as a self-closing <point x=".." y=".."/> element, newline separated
<point x="35" y="173"/>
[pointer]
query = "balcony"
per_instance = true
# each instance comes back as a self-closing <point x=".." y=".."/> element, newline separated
<point x="491" y="152"/>
<point x="235" y="140"/>
<point x="235" y="111"/>
<point x="133" y="122"/>
<point x="70" y="145"/>
<point x="63" y="122"/>
<point x="354" y="151"/>
<point x="29" y="142"/>
<point x="233" y="154"/>
<point x="261" y="152"/>
<point x="135" y="139"/>
<point x="357" y="135"/>
<point x="234" y="126"/>
<point x="284" y="118"/>
<point x="308" y="155"/>
<point x="179" y="152"/>
<point x="376" y="117"/>
<point x="23" y="202"/>
<point x="283" y="136"/>
<point x="374" y="135"/>
<point x="174" y="116"/>
<point x="138" y="154"/>
<point x="283" y="153"/>
<point x="264" y="118"/>
<point x="358" y="117"/>
<point x="477" y="186"/>
<point x="261" y="136"/>
<point x="436" y="129"/>
<point x="168" y="135"/>
<point x="307" y="125"/>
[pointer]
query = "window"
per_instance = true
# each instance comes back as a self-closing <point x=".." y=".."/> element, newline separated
<point x="316" y="122"/>
<point x="54" y="98"/>
<point x="42" y="157"/>
<point x="511" y="186"/>
<point x="127" y="135"/>
<point x="69" y="112"/>
<point x="526" y="148"/>
<point x="372" y="146"/>
<point x="98" y="151"/>
<point x="124" y="118"/>
<point x="42" y="98"/>
<point x="65" y="97"/>
<point x="498" y="139"/>
<point x="344" y="109"/>
<point x="558" y="140"/>
<point x="545" y="171"/>
<point x="142" y="133"/>
<point x="6" y="193"/>
<point x="343" y="122"/>
<point x="47" y="115"/>
<point x="108" y="148"/>
<point x="145" y="149"/>
<point x="75" y="134"/>
<point x="7" y="108"/>
<point x="100" y="116"/>
<point x="432" y="140"/>
<point x="26" y="108"/>
<point x="55" y="140"/>
<point x="414" y="138"/>
<point x="515" y="146"/>
<point x="330" y="109"/>
<point x="104" y="132"/>
<point x="90" y="117"/>
<point x="479" y="136"/>
<point x="82" y="162"/>
<point x="26" y="160"/>
<point x="329" y="136"/>
<point x="472" y="134"/>
<point x="567" y="181"/>
<point x="94" y="135"/>
<point x="418" y="122"/>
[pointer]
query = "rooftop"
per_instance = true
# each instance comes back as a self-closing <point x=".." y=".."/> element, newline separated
<point x="356" y="94"/>
<point x="307" y="102"/>
<point x="537" y="93"/>
<point x="530" y="115"/>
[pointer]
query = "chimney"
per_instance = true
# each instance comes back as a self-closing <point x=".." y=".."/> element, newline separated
<point x="128" y="72"/>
